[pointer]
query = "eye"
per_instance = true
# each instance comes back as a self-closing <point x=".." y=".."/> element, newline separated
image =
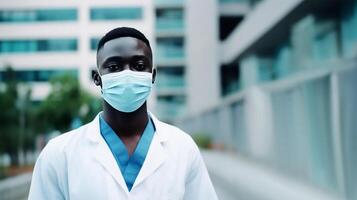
<point x="140" y="66"/>
<point x="113" y="66"/>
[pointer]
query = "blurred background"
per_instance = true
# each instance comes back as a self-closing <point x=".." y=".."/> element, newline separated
<point x="267" y="88"/>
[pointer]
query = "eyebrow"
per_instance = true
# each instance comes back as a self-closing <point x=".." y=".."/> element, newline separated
<point x="111" y="59"/>
<point x="120" y="58"/>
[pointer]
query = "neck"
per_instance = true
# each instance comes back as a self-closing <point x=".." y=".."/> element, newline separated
<point x="126" y="124"/>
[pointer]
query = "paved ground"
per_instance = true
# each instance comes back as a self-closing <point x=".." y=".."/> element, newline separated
<point x="221" y="190"/>
<point x="236" y="177"/>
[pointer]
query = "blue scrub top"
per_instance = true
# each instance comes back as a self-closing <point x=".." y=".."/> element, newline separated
<point x="129" y="166"/>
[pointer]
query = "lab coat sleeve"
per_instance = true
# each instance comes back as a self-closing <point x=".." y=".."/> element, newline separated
<point x="45" y="178"/>
<point x="198" y="184"/>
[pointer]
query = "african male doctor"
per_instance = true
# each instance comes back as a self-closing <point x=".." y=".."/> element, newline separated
<point x="125" y="152"/>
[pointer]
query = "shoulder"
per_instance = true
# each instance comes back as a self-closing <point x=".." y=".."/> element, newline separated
<point x="57" y="147"/>
<point x="173" y="132"/>
<point x="62" y="141"/>
<point x="177" y="138"/>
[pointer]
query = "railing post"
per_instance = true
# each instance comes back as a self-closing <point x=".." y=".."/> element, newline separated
<point x="336" y="133"/>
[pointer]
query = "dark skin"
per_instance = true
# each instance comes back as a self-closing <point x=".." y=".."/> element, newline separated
<point x="117" y="55"/>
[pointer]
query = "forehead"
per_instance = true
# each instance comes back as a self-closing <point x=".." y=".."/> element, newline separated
<point x="123" y="47"/>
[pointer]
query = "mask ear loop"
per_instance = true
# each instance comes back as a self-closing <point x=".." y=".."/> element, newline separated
<point x="152" y="76"/>
<point x="99" y="73"/>
<point x="101" y="82"/>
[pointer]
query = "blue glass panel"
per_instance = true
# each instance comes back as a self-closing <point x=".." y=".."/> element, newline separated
<point x="348" y="28"/>
<point x="169" y="2"/>
<point x="116" y="13"/>
<point x="170" y="48"/>
<point x="67" y="14"/>
<point x="94" y="43"/>
<point x="169" y="19"/>
<point x="282" y="65"/>
<point x="27" y="46"/>
<point x="57" y="15"/>
<point x="39" y="75"/>
<point x="230" y="77"/>
<point x="170" y="106"/>
<point x="170" y="77"/>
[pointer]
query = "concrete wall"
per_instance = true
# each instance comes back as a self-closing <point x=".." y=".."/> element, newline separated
<point x="202" y="54"/>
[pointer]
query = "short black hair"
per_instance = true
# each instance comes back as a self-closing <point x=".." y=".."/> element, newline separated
<point x="123" y="32"/>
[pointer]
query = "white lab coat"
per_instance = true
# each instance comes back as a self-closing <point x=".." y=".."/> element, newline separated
<point x="79" y="165"/>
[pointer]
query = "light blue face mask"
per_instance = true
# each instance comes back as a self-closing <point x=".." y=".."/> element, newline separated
<point x="126" y="90"/>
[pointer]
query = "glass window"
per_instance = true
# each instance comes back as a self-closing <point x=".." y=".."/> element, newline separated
<point x="230" y="75"/>
<point x="38" y="75"/>
<point x="38" y="15"/>
<point x="94" y="43"/>
<point x="240" y="136"/>
<point x="302" y="127"/>
<point x="116" y="13"/>
<point x="169" y="19"/>
<point x="169" y="2"/>
<point x="283" y="62"/>
<point x="170" y="77"/>
<point x="227" y="24"/>
<point x="42" y="45"/>
<point x="302" y="41"/>
<point x="348" y="107"/>
<point x="325" y="46"/>
<point x="170" y="48"/>
<point x="170" y="106"/>
<point x="348" y="28"/>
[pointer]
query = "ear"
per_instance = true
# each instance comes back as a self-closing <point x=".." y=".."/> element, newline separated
<point x="96" y="78"/>
<point x="153" y="75"/>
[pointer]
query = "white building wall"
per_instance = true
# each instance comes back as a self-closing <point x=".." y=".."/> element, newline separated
<point x="202" y="55"/>
<point x="251" y="29"/>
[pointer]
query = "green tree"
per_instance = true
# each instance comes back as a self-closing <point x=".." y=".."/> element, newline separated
<point x="9" y="118"/>
<point x="66" y="102"/>
<point x="21" y="120"/>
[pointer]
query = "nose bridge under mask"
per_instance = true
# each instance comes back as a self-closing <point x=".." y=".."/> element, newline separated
<point x="126" y="90"/>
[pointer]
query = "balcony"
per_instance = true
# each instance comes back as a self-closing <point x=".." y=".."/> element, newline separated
<point x="172" y="26"/>
<point x="170" y="50"/>
<point x="169" y="21"/>
<point x="169" y="3"/>
<point x="170" y="107"/>
<point x="170" y="81"/>
<point x="166" y="55"/>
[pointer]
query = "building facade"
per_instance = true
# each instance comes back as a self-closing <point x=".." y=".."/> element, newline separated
<point x="287" y="77"/>
<point x="188" y="34"/>
<point x="41" y="39"/>
<point x="170" y="58"/>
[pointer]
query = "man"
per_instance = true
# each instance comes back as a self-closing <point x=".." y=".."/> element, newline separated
<point x="125" y="152"/>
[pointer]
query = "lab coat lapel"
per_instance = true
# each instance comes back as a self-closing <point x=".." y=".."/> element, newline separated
<point x="106" y="159"/>
<point x="103" y="155"/>
<point x="154" y="159"/>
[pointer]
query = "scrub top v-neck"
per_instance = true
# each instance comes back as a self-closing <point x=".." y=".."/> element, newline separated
<point x="129" y="166"/>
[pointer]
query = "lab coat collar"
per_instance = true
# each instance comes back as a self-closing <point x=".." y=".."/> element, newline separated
<point x="154" y="158"/>
<point x="94" y="136"/>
